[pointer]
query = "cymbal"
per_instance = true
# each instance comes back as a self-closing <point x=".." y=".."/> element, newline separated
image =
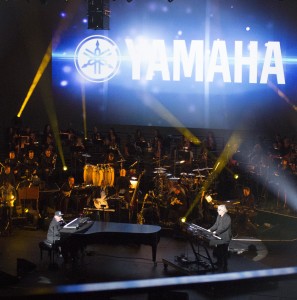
<point x="203" y="169"/>
<point x="191" y="174"/>
<point x="174" y="178"/>
<point x="160" y="169"/>
<point x="121" y="160"/>
<point x="159" y="172"/>
<point x="183" y="174"/>
<point x="201" y="176"/>
<point x="86" y="155"/>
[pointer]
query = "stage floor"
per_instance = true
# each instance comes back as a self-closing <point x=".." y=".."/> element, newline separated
<point x="110" y="263"/>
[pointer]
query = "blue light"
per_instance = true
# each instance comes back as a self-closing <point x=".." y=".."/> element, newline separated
<point x="64" y="83"/>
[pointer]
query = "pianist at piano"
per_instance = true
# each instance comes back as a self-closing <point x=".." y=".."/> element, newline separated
<point x="53" y="234"/>
<point x="222" y="229"/>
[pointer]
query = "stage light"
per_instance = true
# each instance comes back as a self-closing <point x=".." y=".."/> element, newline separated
<point x="183" y="219"/>
<point x="65" y="168"/>
<point x="208" y="198"/>
<point x="98" y="14"/>
<point x="236" y="176"/>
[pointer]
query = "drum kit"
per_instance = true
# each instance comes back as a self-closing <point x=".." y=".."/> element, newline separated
<point x="163" y="179"/>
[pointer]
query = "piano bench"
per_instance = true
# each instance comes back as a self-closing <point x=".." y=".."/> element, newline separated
<point x="44" y="246"/>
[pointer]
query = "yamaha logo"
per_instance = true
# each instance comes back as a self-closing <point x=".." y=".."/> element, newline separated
<point x="97" y="58"/>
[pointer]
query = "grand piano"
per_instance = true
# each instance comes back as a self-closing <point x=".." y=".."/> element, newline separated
<point x="80" y="232"/>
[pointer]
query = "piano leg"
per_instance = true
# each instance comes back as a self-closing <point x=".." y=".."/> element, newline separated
<point x="154" y="245"/>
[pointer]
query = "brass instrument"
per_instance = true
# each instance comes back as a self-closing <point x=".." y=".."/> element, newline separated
<point x="175" y="201"/>
<point x="67" y="193"/>
<point x="140" y="218"/>
<point x="134" y="197"/>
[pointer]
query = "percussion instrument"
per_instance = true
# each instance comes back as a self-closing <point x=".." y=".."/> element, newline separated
<point x="95" y="174"/>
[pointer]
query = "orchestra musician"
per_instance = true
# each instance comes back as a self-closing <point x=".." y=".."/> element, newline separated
<point x="30" y="164"/>
<point x="177" y="204"/>
<point x="247" y="198"/>
<point x="7" y="175"/>
<point x="222" y="229"/>
<point x="8" y="196"/>
<point x="123" y="186"/>
<point x="47" y="164"/>
<point x="157" y="144"/>
<point x="14" y="163"/>
<point x="66" y="190"/>
<point x="245" y="217"/>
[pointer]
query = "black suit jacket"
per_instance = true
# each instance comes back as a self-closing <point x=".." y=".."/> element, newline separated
<point x="222" y="227"/>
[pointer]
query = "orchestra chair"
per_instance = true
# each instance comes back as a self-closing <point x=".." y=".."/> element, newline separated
<point x="29" y="198"/>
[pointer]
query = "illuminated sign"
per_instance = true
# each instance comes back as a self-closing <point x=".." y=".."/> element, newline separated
<point x="97" y="59"/>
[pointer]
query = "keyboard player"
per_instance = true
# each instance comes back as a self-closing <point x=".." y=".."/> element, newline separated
<point x="222" y="229"/>
<point x="53" y="232"/>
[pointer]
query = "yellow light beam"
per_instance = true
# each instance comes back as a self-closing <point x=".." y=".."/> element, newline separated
<point x="52" y="46"/>
<point x="230" y="148"/>
<point x="44" y="63"/>
<point x="163" y="112"/>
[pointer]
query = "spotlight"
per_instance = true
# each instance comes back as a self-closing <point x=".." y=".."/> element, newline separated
<point x="98" y="14"/>
<point x="236" y="176"/>
<point x="183" y="219"/>
<point x="65" y="168"/>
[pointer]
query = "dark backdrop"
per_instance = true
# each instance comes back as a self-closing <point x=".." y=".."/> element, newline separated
<point x="26" y="30"/>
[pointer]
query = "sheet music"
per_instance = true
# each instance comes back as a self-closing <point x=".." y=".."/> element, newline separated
<point x="77" y="222"/>
<point x="71" y="224"/>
